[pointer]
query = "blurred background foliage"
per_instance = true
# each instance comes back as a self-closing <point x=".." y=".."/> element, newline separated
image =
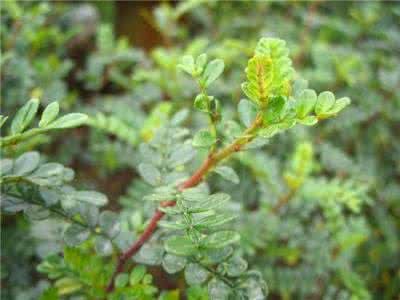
<point x="319" y="207"/>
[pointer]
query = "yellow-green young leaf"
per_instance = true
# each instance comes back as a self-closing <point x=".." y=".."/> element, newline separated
<point x="339" y="105"/>
<point x="24" y="116"/>
<point x="69" y="121"/>
<point x="187" y="64"/>
<point x="67" y="286"/>
<point x="281" y="65"/>
<point x="325" y="102"/>
<point x="49" y="114"/>
<point x="221" y="239"/>
<point x="201" y="61"/>
<point x="179" y="245"/>
<point x="3" y="119"/>
<point x="305" y="103"/>
<point x="121" y="280"/>
<point x="275" y="110"/>
<point x="213" y="70"/>
<point x="308" y="121"/>
<point x="203" y="139"/>
<point x="137" y="275"/>
<point x="259" y="79"/>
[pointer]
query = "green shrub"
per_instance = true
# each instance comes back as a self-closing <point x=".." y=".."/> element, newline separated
<point x="235" y="186"/>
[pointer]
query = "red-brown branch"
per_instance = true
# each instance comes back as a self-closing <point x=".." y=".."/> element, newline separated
<point x="194" y="180"/>
<point x="125" y="256"/>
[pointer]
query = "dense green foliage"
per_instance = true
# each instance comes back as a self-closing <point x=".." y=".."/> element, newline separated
<point x="226" y="163"/>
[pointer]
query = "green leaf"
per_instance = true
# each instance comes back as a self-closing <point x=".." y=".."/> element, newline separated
<point x="218" y="255"/>
<point x="173" y="264"/>
<point x="49" y="294"/>
<point x="90" y="214"/>
<point x="103" y="246"/>
<point x="247" y="112"/>
<point x="179" y="117"/>
<point x="3" y="119"/>
<point x="67" y="286"/>
<point x="159" y="197"/>
<point x="218" y="290"/>
<point x="91" y="197"/>
<point x="150" y="254"/>
<point x="195" y="194"/>
<point x="137" y="275"/>
<point x="201" y="102"/>
<point x="49" y="114"/>
<point x="109" y="223"/>
<point x="325" y="102"/>
<point x="6" y="165"/>
<point x="69" y="121"/>
<point x="339" y="105"/>
<point x="181" y="155"/>
<point x="227" y="173"/>
<point x="195" y="274"/>
<point x="50" y="196"/>
<point x="203" y="139"/>
<point x="259" y="79"/>
<point x="221" y="239"/>
<point x="76" y="234"/>
<point x="281" y="65"/>
<point x="305" y="103"/>
<point x="174" y="225"/>
<point x="187" y="64"/>
<point x="212" y="221"/>
<point x="36" y="212"/>
<point x="48" y="174"/>
<point x="150" y="174"/>
<point x="275" y="110"/>
<point x="308" y="121"/>
<point x="26" y="163"/>
<point x="149" y="155"/>
<point x="201" y="61"/>
<point x="235" y="266"/>
<point x="179" y="245"/>
<point x="213" y="70"/>
<point x="24" y="116"/>
<point x="12" y="204"/>
<point x="121" y="280"/>
<point x="214" y="201"/>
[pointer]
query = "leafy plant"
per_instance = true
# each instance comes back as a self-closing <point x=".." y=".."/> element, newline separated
<point x="225" y="178"/>
<point x="193" y="238"/>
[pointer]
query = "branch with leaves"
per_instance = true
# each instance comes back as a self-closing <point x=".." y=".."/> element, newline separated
<point x="195" y="235"/>
<point x="271" y="108"/>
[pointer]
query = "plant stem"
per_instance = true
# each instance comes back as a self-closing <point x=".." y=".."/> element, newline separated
<point x="283" y="200"/>
<point x="137" y="244"/>
<point x="211" y="161"/>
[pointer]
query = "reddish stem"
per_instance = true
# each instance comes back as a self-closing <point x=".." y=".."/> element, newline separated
<point x="194" y="180"/>
<point x="212" y="159"/>
<point x="125" y="256"/>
